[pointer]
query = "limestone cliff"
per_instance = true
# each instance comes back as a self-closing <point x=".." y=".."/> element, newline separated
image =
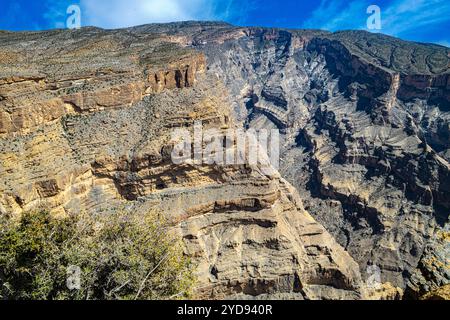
<point x="85" y="123"/>
<point x="366" y="142"/>
<point x="86" y="118"/>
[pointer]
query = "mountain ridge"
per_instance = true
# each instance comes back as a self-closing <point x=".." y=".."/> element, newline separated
<point x="85" y="117"/>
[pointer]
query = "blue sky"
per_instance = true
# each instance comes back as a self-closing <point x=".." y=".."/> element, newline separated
<point x="417" y="20"/>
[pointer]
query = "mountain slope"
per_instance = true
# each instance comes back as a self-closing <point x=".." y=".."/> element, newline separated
<point x="85" y="123"/>
<point x="366" y="122"/>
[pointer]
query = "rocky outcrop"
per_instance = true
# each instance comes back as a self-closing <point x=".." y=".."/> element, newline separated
<point x="430" y="279"/>
<point x="86" y="125"/>
<point x="365" y="120"/>
<point x="87" y="76"/>
<point x="86" y="118"/>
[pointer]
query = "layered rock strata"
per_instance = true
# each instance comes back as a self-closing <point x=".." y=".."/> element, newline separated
<point x="85" y="124"/>
<point x="365" y="119"/>
<point x="86" y="120"/>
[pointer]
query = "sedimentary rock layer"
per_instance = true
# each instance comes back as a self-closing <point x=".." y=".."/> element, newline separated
<point x="366" y="123"/>
<point x="86" y="120"/>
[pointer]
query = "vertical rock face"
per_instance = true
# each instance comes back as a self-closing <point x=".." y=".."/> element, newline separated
<point x="86" y="124"/>
<point x="366" y="141"/>
<point x="86" y="118"/>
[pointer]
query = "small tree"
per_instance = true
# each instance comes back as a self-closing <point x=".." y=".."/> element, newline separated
<point x="119" y="256"/>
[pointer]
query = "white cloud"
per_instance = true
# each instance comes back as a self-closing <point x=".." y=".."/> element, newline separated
<point x="409" y="15"/>
<point x="124" y="13"/>
<point x="338" y="15"/>
<point x="397" y="18"/>
<point x="55" y="14"/>
<point x="120" y="13"/>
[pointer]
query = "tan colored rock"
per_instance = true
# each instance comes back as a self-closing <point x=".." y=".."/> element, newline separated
<point x="442" y="293"/>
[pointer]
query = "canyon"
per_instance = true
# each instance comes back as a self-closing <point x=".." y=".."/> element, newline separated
<point x="86" y="118"/>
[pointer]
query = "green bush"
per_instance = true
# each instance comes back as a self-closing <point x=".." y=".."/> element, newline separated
<point x="121" y="256"/>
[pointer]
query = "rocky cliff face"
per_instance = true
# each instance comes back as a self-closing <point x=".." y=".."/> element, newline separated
<point x="85" y="124"/>
<point x="365" y="119"/>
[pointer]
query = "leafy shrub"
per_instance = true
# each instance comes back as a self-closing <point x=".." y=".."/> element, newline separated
<point x="120" y="256"/>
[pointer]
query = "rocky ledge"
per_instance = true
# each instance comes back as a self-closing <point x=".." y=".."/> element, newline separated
<point x="86" y="118"/>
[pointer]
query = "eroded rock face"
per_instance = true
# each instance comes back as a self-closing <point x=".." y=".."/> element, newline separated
<point x="85" y="124"/>
<point x="86" y="120"/>
<point x="430" y="279"/>
<point x="366" y="123"/>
